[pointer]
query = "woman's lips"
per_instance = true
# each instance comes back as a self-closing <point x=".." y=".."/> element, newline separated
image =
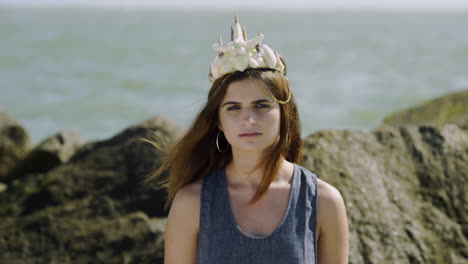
<point x="250" y="134"/>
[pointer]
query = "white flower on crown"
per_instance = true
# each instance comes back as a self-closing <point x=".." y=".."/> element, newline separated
<point x="241" y="53"/>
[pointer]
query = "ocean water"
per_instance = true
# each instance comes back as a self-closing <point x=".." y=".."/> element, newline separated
<point x="100" y="70"/>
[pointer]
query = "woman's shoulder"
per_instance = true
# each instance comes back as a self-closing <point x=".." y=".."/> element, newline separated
<point x="186" y="204"/>
<point x="189" y="194"/>
<point x="328" y="193"/>
<point x="331" y="208"/>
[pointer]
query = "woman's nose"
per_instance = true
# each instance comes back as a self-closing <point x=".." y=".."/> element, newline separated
<point x="249" y="117"/>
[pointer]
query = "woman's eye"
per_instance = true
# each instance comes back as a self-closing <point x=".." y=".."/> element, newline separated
<point x="258" y="106"/>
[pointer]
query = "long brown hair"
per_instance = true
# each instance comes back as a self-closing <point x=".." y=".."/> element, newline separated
<point x="195" y="155"/>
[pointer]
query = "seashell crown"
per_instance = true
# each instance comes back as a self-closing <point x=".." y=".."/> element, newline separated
<point x="241" y="53"/>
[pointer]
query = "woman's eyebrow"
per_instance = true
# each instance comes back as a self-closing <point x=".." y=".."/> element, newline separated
<point x="254" y="102"/>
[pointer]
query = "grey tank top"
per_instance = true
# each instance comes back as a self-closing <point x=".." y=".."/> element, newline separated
<point x="221" y="240"/>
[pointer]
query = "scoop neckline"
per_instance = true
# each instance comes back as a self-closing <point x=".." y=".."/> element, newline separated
<point x="283" y="220"/>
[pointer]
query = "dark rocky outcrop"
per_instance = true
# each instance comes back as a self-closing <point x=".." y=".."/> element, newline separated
<point x="92" y="208"/>
<point x="90" y="230"/>
<point x="50" y="153"/>
<point x="14" y="143"/>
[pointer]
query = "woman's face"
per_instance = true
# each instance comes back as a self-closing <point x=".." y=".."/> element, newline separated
<point x="249" y="119"/>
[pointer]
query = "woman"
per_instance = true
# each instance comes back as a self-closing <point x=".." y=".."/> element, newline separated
<point x="237" y="193"/>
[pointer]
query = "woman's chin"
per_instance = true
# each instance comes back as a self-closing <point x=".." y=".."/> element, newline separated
<point x="259" y="147"/>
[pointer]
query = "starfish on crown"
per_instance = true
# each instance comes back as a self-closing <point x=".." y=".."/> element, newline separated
<point x="241" y="53"/>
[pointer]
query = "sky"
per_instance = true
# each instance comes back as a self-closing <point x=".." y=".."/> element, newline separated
<point x="403" y="4"/>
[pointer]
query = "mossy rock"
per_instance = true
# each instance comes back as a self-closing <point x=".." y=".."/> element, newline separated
<point x="404" y="190"/>
<point x="451" y="108"/>
<point x="14" y="143"/>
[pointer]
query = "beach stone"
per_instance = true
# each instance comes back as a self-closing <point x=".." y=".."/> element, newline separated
<point x="90" y="230"/>
<point x="93" y="208"/>
<point x="3" y="187"/>
<point x="115" y="166"/>
<point x="404" y="189"/>
<point x="450" y="108"/>
<point x="14" y="143"/>
<point x="50" y="153"/>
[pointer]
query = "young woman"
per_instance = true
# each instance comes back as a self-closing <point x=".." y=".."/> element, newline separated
<point x="237" y="193"/>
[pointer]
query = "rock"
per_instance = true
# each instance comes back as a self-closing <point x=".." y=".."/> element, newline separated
<point x="404" y="188"/>
<point x="451" y="108"/>
<point x="83" y="231"/>
<point x="92" y="208"/>
<point x="14" y="143"/>
<point x="50" y="153"/>
<point x="115" y="167"/>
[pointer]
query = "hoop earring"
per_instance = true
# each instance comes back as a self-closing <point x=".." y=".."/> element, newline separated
<point x="217" y="143"/>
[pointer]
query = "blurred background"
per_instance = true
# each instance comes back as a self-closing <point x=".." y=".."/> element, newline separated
<point x="100" y="66"/>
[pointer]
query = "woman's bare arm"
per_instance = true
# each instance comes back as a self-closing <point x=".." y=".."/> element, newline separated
<point x="182" y="227"/>
<point x="333" y="243"/>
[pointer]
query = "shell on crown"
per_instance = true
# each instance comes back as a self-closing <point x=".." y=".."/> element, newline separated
<point x="241" y="53"/>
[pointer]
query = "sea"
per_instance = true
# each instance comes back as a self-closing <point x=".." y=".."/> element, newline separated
<point x="99" y="70"/>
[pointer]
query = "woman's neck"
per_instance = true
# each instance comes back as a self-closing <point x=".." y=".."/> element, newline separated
<point x="242" y="169"/>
